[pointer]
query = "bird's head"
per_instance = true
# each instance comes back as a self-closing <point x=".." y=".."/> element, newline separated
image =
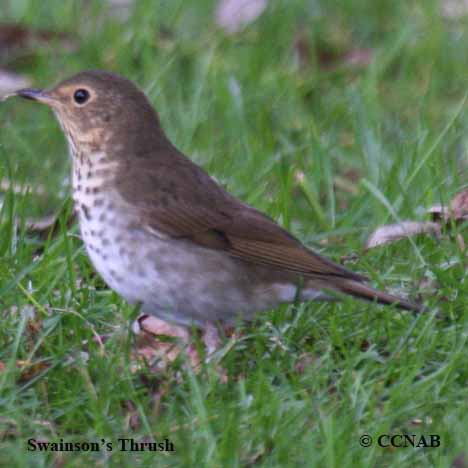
<point x="97" y="108"/>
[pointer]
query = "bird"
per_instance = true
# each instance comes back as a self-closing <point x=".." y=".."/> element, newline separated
<point x="162" y="233"/>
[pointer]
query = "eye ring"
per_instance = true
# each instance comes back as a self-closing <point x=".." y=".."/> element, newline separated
<point x="80" y="96"/>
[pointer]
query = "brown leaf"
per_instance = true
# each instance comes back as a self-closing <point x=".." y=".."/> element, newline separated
<point x="29" y="369"/>
<point x="234" y="15"/>
<point x="18" y="40"/>
<point x="454" y="9"/>
<point x="211" y="338"/>
<point x="11" y="82"/>
<point x="358" y="57"/>
<point x="121" y="8"/>
<point x="460" y="461"/>
<point x="8" y="428"/>
<point x="395" y="232"/>
<point x="459" y="206"/>
<point x="353" y="257"/>
<point x="153" y="347"/>
<point x="302" y="50"/>
<point x="461" y="242"/>
<point x="456" y="211"/>
<point x="158" y="327"/>
<point x="152" y="343"/>
<point x="346" y="185"/>
<point x="48" y="225"/>
<point x="305" y="361"/>
<point x="328" y="56"/>
<point x="132" y="419"/>
<point x="6" y="185"/>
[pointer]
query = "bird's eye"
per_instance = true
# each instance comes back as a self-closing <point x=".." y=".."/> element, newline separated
<point x="81" y="96"/>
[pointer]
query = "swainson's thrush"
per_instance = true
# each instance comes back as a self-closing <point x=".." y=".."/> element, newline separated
<point x="162" y="232"/>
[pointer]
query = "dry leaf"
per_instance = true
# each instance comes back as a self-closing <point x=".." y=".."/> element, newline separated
<point x="29" y="369"/>
<point x="132" y="419"/>
<point x="41" y="224"/>
<point x="345" y="185"/>
<point x="458" y="209"/>
<point x="460" y="461"/>
<point x="6" y="185"/>
<point x="152" y="345"/>
<point x="234" y="15"/>
<point x="416" y="422"/>
<point x="121" y="8"/>
<point x="158" y="327"/>
<point x="211" y="338"/>
<point x="327" y="57"/>
<point x="454" y="9"/>
<point x="305" y="360"/>
<point x="394" y="232"/>
<point x="459" y="205"/>
<point x="353" y="257"/>
<point x="11" y="82"/>
<point x="8" y="428"/>
<point x="358" y="57"/>
<point x="18" y="40"/>
<point x="302" y="50"/>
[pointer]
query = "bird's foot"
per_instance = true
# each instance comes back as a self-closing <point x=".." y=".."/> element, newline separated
<point x="160" y="341"/>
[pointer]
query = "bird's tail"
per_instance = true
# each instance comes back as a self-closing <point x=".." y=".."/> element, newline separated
<point x="363" y="291"/>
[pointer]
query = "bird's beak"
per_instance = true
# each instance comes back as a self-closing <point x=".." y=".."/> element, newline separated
<point x="35" y="94"/>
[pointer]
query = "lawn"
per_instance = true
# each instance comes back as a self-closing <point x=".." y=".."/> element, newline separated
<point x="333" y="117"/>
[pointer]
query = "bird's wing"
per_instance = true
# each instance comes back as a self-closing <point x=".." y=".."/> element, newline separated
<point x="184" y="202"/>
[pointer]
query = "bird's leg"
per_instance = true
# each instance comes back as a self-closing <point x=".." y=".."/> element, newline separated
<point x="153" y="334"/>
<point x="156" y="326"/>
<point x="211" y="338"/>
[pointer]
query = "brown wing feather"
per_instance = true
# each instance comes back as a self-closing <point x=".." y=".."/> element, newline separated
<point x="181" y="201"/>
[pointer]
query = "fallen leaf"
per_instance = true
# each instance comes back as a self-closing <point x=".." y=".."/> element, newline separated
<point x="121" y="8"/>
<point x="159" y="344"/>
<point x="454" y="9"/>
<point x="8" y="428"/>
<point x="350" y="258"/>
<point x="48" y="225"/>
<point x="460" y="461"/>
<point x="234" y="15"/>
<point x="6" y="185"/>
<point x="416" y="422"/>
<point x="158" y="327"/>
<point x="46" y="424"/>
<point x="18" y="40"/>
<point x="346" y="185"/>
<point x="358" y="57"/>
<point x="29" y="369"/>
<point x="459" y="206"/>
<point x="11" y="82"/>
<point x="394" y="232"/>
<point x="457" y="210"/>
<point x="132" y="419"/>
<point x="305" y="361"/>
<point x="152" y="345"/>
<point x="302" y="50"/>
<point x="211" y="338"/>
<point x="328" y="57"/>
<point x="364" y="345"/>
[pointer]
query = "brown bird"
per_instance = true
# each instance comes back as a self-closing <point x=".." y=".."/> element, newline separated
<point x="162" y="232"/>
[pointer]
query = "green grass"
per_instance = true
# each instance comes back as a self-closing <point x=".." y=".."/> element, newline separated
<point x="244" y="109"/>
